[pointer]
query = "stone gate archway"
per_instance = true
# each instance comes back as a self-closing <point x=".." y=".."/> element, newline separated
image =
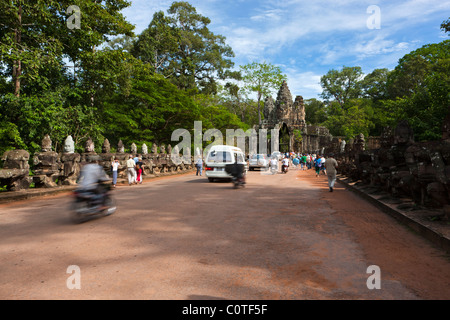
<point x="284" y="139"/>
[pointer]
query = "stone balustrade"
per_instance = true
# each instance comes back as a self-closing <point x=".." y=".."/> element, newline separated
<point x="52" y="169"/>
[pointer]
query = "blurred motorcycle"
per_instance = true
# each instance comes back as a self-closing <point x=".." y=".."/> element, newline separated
<point x="237" y="172"/>
<point x="88" y="205"/>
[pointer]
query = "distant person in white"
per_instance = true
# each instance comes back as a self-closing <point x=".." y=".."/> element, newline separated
<point x="330" y="166"/>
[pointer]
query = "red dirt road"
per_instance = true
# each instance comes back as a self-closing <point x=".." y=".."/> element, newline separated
<point x="282" y="237"/>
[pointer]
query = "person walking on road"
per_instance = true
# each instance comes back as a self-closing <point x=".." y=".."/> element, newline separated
<point x="136" y="160"/>
<point x="323" y="169"/>
<point x="317" y="165"/>
<point x="330" y="166"/>
<point x="139" y="170"/>
<point x="131" y="171"/>
<point x="199" y="165"/>
<point x="114" y="167"/>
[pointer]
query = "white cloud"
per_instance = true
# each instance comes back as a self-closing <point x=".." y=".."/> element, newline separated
<point x="305" y="84"/>
<point x="311" y="37"/>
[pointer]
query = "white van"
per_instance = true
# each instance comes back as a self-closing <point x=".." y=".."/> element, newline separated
<point x="219" y="156"/>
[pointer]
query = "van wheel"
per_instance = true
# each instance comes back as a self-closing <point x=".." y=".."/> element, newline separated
<point x="210" y="179"/>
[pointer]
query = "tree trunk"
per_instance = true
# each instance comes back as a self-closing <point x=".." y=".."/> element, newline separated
<point x="259" y="108"/>
<point x="17" y="65"/>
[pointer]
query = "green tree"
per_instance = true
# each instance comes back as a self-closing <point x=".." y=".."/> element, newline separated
<point x="39" y="93"/>
<point x="262" y="79"/>
<point x="374" y="84"/>
<point x="445" y="26"/>
<point x="342" y="85"/>
<point x="182" y="48"/>
<point x="35" y="34"/>
<point x="151" y="111"/>
<point x="315" y="111"/>
<point x="158" y="44"/>
<point x="350" y="121"/>
<point x="420" y="90"/>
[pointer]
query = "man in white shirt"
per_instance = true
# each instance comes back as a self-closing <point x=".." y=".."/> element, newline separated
<point x="331" y="165"/>
<point x="131" y="170"/>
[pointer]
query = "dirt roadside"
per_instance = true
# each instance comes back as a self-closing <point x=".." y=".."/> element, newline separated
<point x="396" y="249"/>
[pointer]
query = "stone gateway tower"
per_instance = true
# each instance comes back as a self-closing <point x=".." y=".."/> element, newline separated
<point x="288" y="116"/>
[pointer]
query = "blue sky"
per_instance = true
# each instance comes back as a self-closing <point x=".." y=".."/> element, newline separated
<point x="306" y="39"/>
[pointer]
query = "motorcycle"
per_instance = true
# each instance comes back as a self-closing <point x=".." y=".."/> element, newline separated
<point x="237" y="172"/>
<point x="284" y="169"/>
<point x="87" y="205"/>
<point x="238" y="182"/>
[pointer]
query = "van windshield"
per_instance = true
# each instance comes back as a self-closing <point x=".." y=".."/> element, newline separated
<point x="219" y="156"/>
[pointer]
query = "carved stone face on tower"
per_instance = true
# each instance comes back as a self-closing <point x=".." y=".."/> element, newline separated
<point x="69" y="145"/>
<point x="284" y="102"/>
<point x="299" y="108"/>
<point x="269" y="107"/>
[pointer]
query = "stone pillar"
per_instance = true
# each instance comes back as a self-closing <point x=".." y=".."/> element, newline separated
<point x="15" y="172"/>
<point x="46" y="167"/>
<point x="70" y="163"/>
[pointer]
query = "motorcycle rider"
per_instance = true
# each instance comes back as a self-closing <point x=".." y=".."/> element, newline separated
<point x="284" y="164"/>
<point x="236" y="170"/>
<point x="90" y="180"/>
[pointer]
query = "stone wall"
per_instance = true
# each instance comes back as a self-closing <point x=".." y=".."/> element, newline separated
<point x="419" y="171"/>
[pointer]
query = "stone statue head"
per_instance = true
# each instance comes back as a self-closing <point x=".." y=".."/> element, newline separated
<point x="403" y="133"/>
<point x="386" y="138"/>
<point x="46" y="144"/>
<point x="144" y="149"/>
<point x="106" y="148"/>
<point x="154" y="148"/>
<point x="69" y="145"/>
<point x="133" y="148"/>
<point x="342" y="146"/>
<point x="89" y="146"/>
<point x="120" y="147"/>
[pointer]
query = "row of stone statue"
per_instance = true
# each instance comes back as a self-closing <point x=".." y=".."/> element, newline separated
<point x="52" y="169"/>
<point x="69" y="146"/>
<point x="402" y="167"/>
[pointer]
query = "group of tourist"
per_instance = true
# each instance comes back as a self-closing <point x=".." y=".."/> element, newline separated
<point x="135" y="169"/>
<point x="308" y="161"/>
<point x="321" y="165"/>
